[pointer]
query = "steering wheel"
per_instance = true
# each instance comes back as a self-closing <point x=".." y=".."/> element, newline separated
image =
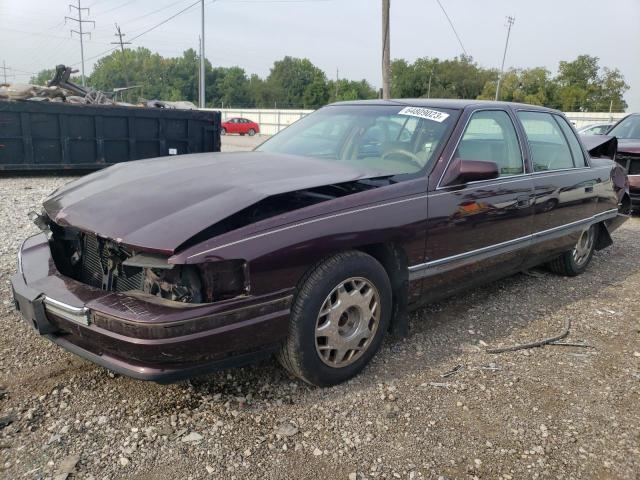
<point x="408" y="156"/>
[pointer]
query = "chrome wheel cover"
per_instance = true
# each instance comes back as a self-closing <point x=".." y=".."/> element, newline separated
<point x="347" y="322"/>
<point x="583" y="248"/>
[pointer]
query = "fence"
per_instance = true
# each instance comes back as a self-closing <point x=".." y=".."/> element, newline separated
<point x="582" y="119"/>
<point x="271" y="121"/>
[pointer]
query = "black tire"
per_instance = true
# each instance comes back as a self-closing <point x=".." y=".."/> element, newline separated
<point x="570" y="265"/>
<point x="242" y="134"/>
<point x="251" y="132"/>
<point x="223" y="131"/>
<point x="300" y="354"/>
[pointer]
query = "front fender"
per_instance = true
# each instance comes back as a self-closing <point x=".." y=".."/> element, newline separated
<point x="278" y="257"/>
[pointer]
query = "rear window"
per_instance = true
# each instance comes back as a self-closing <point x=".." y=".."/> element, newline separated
<point x="574" y="144"/>
<point x="549" y="148"/>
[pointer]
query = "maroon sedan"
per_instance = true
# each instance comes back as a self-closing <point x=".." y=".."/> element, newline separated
<point x="627" y="131"/>
<point x="315" y="245"/>
<point x="241" y="126"/>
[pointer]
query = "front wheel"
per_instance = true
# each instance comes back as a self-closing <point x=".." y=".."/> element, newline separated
<point x="338" y="319"/>
<point x="251" y="132"/>
<point x="575" y="261"/>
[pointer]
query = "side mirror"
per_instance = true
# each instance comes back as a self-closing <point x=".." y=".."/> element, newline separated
<point x="465" y="171"/>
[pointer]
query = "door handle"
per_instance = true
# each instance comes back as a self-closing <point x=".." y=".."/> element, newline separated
<point x="523" y="201"/>
<point x="588" y="189"/>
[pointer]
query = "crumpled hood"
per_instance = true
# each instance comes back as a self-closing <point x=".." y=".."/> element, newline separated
<point x="160" y="203"/>
<point x="601" y="146"/>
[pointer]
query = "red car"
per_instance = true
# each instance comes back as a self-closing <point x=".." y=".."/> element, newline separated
<point x="243" y="126"/>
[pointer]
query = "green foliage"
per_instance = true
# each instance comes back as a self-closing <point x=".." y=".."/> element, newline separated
<point x="459" y="77"/>
<point x="43" y="77"/>
<point x="580" y="85"/>
<point x="296" y="83"/>
<point x="532" y="85"/>
<point x="344" y="90"/>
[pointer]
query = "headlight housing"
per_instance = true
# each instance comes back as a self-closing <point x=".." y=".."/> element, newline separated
<point x="202" y="283"/>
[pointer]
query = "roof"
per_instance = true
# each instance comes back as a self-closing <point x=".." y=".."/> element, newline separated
<point x="455" y="104"/>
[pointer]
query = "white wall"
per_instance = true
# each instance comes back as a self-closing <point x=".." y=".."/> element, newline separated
<point x="582" y="119"/>
<point x="271" y="121"/>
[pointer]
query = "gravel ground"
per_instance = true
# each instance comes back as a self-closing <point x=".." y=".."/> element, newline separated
<point x="552" y="412"/>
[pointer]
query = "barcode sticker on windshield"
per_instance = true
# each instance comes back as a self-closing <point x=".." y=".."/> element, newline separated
<point x="434" y="115"/>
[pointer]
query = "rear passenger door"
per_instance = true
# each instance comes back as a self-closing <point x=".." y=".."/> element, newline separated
<point x="480" y="230"/>
<point x="566" y="187"/>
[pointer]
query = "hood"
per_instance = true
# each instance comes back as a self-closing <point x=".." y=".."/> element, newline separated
<point x="158" y="204"/>
<point x="629" y="145"/>
<point x="600" y="146"/>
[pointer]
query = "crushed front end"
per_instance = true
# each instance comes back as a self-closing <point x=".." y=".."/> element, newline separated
<point x="135" y="313"/>
<point x="631" y="162"/>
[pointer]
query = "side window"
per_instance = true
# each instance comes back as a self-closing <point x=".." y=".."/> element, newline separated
<point x="549" y="148"/>
<point x="574" y="144"/>
<point x="491" y="137"/>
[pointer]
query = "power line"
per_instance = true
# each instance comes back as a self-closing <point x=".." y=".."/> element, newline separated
<point x="510" y="22"/>
<point x="145" y="32"/>
<point x="168" y="19"/>
<point x="452" y="27"/>
<point x="79" y="32"/>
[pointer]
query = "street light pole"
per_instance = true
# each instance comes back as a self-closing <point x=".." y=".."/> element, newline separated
<point x="510" y="22"/>
<point x="201" y="96"/>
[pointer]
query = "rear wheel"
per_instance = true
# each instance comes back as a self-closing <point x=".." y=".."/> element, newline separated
<point x="223" y="131"/>
<point x="575" y="261"/>
<point x="338" y="319"/>
<point x="251" y="132"/>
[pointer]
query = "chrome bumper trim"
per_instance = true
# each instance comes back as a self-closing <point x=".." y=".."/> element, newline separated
<point x="68" y="312"/>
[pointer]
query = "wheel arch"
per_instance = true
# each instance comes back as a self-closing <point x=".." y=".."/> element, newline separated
<point x="393" y="259"/>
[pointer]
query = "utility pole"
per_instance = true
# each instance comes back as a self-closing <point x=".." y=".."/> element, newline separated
<point x="80" y="31"/>
<point x="337" y="80"/>
<point x="201" y="96"/>
<point x="4" y="71"/>
<point x="386" y="51"/>
<point x="510" y="22"/>
<point x="120" y="42"/>
<point x="429" y="88"/>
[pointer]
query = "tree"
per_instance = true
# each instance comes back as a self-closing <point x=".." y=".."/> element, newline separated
<point x="578" y="83"/>
<point x="533" y="86"/>
<point x="344" y="90"/>
<point x="459" y="77"/>
<point x="43" y="77"/>
<point x="612" y="89"/>
<point x="296" y="82"/>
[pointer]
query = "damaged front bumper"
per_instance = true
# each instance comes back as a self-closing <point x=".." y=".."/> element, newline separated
<point x="143" y="339"/>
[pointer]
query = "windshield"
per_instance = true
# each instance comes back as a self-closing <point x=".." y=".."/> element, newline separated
<point x="627" y="128"/>
<point x="394" y="139"/>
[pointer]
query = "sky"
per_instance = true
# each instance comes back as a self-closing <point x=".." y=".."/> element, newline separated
<point x="343" y="35"/>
